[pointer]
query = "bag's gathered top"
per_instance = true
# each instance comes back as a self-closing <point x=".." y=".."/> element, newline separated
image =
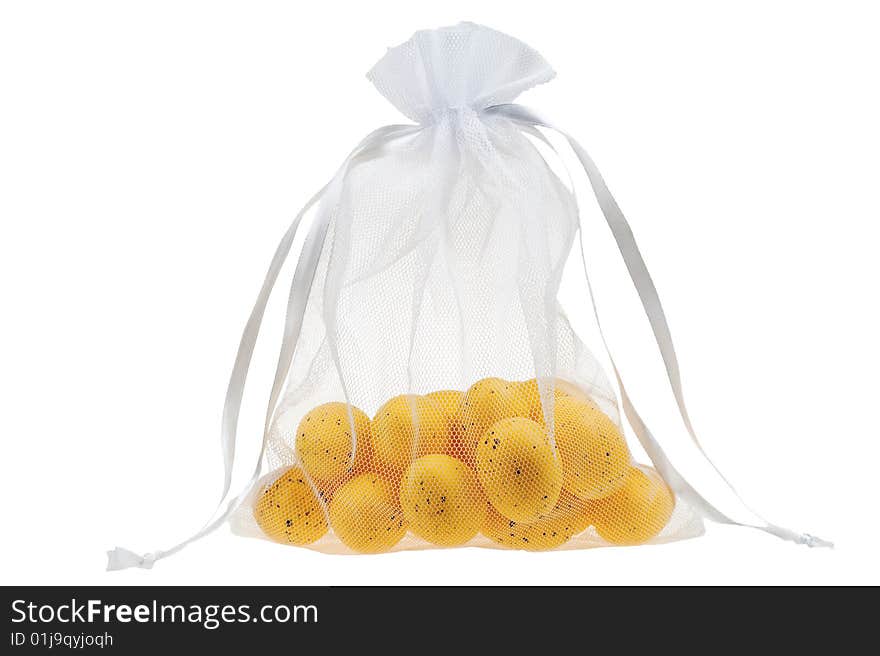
<point x="430" y="390"/>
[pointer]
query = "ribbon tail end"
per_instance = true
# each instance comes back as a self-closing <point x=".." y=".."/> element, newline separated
<point x="798" y="538"/>
<point x="816" y="543"/>
<point x="120" y="558"/>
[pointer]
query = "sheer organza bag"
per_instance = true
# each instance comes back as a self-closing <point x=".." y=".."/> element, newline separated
<point x="430" y="390"/>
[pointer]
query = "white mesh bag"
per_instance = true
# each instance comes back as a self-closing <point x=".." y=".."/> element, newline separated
<point x="430" y="390"/>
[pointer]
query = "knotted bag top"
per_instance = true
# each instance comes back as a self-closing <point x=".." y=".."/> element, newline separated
<point x="464" y="66"/>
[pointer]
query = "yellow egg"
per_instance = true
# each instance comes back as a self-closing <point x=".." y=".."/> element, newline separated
<point x="442" y="500"/>
<point x="450" y="402"/>
<point x="487" y="401"/>
<point x="288" y="511"/>
<point x="573" y="513"/>
<point x="569" y="518"/>
<point x="567" y="388"/>
<point x="595" y="458"/>
<point x="365" y="515"/>
<point x="637" y="511"/>
<point x="324" y="442"/>
<point x="531" y="397"/>
<point x="398" y="438"/>
<point x="519" y="471"/>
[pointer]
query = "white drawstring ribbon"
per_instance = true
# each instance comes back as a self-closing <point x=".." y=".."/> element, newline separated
<point x="650" y="300"/>
<point x="371" y="147"/>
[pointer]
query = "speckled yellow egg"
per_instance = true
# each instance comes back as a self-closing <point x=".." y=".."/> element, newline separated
<point x="568" y="518"/>
<point x="595" y="458"/>
<point x="442" y="500"/>
<point x="487" y="401"/>
<point x="406" y="427"/>
<point x="288" y="510"/>
<point x="365" y="514"/>
<point x="518" y="469"/>
<point x="636" y="512"/>
<point x="484" y="403"/>
<point x="574" y="514"/>
<point x="324" y="442"/>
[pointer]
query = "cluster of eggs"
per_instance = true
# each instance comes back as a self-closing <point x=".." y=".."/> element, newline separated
<point x="449" y="465"/>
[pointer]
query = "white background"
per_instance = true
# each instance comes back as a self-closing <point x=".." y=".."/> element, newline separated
<point x="151" y="154"/>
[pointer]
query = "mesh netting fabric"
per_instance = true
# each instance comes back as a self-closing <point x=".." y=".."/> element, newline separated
<point x="438" y="395"/>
